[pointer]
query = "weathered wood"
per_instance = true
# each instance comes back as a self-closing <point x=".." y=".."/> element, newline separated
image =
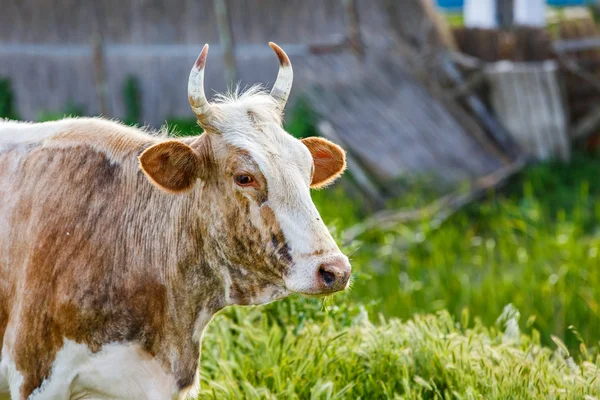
<point x="587" y="126"/>
<point x="580" y="44"/>
<point x="100" y="74"/>
<point x="581" y="64"/>
<point x="527" y="99"/>
<point x="520" y="43"/>
<point x="353" y="20"/>
<point x="226" y="39"/>
<point x="401" y="130"/>
<point x="496" y="130"/>
<point x="573" y="67"/>
<point x="167" y="21"/>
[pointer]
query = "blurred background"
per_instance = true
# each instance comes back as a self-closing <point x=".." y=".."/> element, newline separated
<point x="471" y="128"/>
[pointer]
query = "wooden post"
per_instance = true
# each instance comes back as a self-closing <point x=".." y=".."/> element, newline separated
<point x="505" y="12"/>
<point x="353" y="21"/>
<point x="99" y="61"/>
<point x="226" y="38"/>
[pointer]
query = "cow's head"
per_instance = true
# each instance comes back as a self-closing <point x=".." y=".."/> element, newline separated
<point x="254" y="180"/>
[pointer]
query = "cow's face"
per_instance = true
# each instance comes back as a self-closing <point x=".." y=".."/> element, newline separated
<point x="255" y="180"/>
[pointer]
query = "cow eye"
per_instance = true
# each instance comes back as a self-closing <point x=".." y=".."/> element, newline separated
<point x="244" y="180"/>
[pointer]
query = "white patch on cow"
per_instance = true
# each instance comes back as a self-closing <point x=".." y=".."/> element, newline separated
<point x="227" y="286"/>
<point x="10" y="378"/>
<point x="22" y="132"/>
<point x="118" y="370"/>
<point x="111" y="138"/>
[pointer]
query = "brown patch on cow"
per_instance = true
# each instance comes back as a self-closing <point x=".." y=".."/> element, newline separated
<point x="268" y="215"/>
<point x="329" y="161"/>
<point x="3" y="319"/>
<point x="74" y="289"/>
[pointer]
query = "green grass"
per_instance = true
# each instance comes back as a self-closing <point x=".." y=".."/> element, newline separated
<point x="247" y="356"/>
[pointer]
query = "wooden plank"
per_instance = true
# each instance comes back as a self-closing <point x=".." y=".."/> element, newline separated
<point x="99" y="62"/>
<point x="528" y="101"/>
<point x="572" y="45"/>
<point x="354" y="34"/>
<point x="226" y="39"/>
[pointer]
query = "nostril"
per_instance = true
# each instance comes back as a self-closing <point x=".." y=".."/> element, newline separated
<point x="327" y="276"/>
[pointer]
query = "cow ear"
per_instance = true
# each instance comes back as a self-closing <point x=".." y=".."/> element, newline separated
<point x="329" y="160"/>
<point x="172" y="166"/>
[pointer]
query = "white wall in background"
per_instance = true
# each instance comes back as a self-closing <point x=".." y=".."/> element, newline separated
<point x="529" y="12"/>
<point x="481" y="13"/>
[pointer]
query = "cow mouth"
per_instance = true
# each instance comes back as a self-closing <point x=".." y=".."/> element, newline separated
<point x="319" y="294"/>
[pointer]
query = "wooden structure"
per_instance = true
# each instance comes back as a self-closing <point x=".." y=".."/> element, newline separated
<point x="373" y="117"/>
<point x="529" y="101"/>
<point x="524" y="44"/>
<point x="581" y="95"/>
<point x="571" y="88"/>
<point x="375" y="81"/>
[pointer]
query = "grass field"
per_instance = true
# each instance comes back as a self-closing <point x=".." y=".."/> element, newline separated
<point x="499" y="302"/>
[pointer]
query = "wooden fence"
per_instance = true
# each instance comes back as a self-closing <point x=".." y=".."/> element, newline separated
<point x="47" y="51"/>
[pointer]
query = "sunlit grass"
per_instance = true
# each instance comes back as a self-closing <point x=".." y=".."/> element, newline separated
<point x="247" y="356"/>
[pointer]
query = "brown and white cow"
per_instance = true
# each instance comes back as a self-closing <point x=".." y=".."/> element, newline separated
<point x="118" y="246"/>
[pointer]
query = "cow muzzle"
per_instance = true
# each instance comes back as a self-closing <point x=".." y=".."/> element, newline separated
<point x="334" y="275"/>
<point x="319" y="276"/>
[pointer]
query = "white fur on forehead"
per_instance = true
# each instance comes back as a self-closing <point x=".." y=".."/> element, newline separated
<point x="236" y="108"/>
<point x="251" y="120"/>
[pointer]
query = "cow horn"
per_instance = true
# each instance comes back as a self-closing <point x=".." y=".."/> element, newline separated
<point x="285" y="77"/>
<point x="196" y="95"/>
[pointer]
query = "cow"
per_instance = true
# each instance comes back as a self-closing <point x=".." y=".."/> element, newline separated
<point x="118" y="245"/>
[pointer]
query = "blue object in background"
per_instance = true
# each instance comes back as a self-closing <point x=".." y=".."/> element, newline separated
<point x="458" y="4"/>
<point x="564" y="3"/>
<point x="451" y="4"/>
